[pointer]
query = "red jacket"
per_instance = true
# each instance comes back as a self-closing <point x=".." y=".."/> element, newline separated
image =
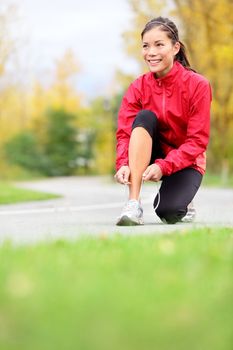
<point x="181" y="100"/>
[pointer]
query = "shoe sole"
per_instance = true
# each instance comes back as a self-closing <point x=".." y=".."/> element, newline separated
<point x="126" y="221"/>
<point x="188" y="218"/>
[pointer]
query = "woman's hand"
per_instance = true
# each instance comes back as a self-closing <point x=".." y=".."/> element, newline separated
<point x="152" y="173"/>
<point x="122" y="176"/>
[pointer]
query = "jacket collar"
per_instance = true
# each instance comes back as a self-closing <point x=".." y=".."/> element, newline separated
<point x="170" y="77"/>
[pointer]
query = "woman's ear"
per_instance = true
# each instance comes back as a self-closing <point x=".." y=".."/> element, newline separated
<point x="176" y="48"/>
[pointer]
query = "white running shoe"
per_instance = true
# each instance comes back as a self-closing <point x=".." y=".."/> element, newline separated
<point x="131" y="215"/>
<point x="190" y="215"/>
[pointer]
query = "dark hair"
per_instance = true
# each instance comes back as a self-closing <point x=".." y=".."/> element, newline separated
<point x="170" y="28"/>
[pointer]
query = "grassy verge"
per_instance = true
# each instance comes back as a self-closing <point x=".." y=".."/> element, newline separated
<point x="150" y="292"/>
<point x="214" y="180"/>
<point x="10" y="194"/>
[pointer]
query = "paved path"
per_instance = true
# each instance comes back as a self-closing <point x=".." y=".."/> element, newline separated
<point x="90" y="205"/>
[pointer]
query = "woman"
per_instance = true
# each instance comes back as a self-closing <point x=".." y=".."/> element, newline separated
<point x="163" y="127"/>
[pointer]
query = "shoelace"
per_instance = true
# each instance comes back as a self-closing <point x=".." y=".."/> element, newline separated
<point x="158" y="194"/>
<point x="130" y="205"/>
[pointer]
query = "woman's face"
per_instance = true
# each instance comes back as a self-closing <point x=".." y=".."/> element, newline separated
<point x="158" y="51"/>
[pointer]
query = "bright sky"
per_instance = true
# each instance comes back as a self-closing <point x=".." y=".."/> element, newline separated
<point x="92" y="29"/>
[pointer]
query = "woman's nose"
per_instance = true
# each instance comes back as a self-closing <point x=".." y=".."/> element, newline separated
<point x="151" y="51"/>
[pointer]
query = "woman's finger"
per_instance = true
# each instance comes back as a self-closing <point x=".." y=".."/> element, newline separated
<point x="146" y="172"/>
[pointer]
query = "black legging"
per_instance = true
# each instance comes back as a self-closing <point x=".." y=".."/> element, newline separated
<point x="178" y="189"/>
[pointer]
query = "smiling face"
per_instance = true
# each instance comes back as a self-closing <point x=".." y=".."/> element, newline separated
<point x="158" y="51"/>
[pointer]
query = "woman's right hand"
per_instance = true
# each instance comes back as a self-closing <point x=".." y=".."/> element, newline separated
<point x="122" y="175"/>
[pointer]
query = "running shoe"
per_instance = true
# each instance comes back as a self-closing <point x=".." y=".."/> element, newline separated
<point x="190" y="215"/>
<point x="131" y="215"/>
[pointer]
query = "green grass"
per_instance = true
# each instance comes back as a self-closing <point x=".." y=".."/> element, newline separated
<point x="119" y="293"/>
<point x="215" y="180"/>
<point x="10" y="194"/>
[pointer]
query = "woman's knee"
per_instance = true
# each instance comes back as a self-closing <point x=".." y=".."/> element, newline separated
<point x="147" y="120"/>
<point x="170" y="214"/>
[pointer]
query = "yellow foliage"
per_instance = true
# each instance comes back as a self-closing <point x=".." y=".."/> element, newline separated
<point x="102" y="119"/>
<point x="62" y="94"/>
<point x="20" y="109"/>
<point x="143" y="11"/>
<point x="208" y="33"/>
<point x="66" y="67"/>
<point x="13" y="112"/>
<point x="121" y="81"/>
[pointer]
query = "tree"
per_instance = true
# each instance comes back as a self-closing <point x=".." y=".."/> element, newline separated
<point x="143" y="11"/>
<point x="23" y="149"/>
<point x="102" y="126"/>
<point x="208" y="33"/>
<point x="58" y="153"/>
<point x="26" y="124"/>
<point x="62" y="94"/>
<point x="61" y="146"/>
<point x="7" y="40"/>
<point x="12" y="101"/>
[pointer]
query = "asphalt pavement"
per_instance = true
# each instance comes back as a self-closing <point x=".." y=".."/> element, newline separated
<point x="90" y="206"/>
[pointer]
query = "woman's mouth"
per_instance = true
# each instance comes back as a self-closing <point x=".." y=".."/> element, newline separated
<point x="154" y="62"/>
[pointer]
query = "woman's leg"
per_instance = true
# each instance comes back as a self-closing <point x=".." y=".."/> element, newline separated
<point x="176" y="192"/>
<point x="144" y="130"/>
<point x="139" y="157"/>
<point x="142" y="147"/>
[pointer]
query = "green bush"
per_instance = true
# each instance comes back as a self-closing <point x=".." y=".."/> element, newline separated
<point x="57" y="154"/>
<point x="62" y="146"/>
<point x="23" y="149"/>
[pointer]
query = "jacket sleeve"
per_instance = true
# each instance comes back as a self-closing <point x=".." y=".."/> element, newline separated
<point x="130" y="106"/>
<point x="197" y="137"/>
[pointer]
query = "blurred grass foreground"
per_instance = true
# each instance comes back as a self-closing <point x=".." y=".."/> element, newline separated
<point x="145" y="292"/>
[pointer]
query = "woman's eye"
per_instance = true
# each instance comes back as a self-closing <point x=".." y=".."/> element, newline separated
<point x="144" y="46"/>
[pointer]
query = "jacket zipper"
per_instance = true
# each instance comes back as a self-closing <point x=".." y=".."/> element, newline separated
<point x="164" y="102"/>
<point x="164" y="108"/>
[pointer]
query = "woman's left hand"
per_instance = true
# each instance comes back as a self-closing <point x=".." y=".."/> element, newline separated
<point x="152" y="173"/>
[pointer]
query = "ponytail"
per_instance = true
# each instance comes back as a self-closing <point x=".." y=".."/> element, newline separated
<point x="181" y="56"/>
